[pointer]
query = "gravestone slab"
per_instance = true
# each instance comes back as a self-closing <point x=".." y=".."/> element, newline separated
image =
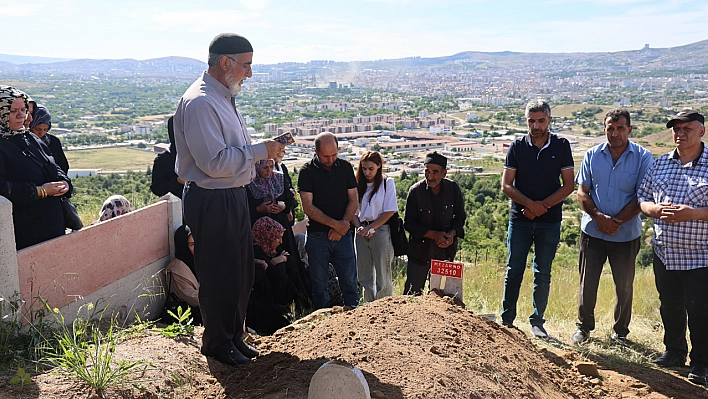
<point x="338" y="380"/>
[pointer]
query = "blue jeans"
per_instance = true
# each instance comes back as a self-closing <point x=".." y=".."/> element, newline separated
<point x="321" y="252"/>
<point x="520" y="236"/>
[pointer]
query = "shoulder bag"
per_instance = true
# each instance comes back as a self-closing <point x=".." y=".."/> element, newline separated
<point x="398" y="233"/>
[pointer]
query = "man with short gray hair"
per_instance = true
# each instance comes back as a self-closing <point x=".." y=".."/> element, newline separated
<point x="217" y="160"/>
<point x="534" y="167"/>
<point x="675" y="193"/>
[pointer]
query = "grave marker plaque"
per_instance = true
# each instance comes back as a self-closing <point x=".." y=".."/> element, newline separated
<point x="447" y="277"/>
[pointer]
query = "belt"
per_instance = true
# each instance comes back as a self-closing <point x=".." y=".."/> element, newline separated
<point x="191" y="184"/>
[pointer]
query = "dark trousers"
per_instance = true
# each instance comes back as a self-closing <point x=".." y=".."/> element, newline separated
<point x="223" y="259"/>
<point x="622" y="256"/>
<point x="683" y="292"/>
<point x="418" y="272"/>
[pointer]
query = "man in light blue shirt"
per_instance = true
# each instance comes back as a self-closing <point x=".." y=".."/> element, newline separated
<point x="608" y="181"/>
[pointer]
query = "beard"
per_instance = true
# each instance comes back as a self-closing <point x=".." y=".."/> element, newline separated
<point x="233" y="85"/>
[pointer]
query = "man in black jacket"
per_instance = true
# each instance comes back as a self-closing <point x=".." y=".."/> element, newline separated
<point x="435" y="218"/>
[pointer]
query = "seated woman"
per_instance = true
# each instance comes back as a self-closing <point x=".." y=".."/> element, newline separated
<point x="164" y="178"/>
<point x="114" y="206"/>
<point x="181" y="276"/>
<point x="40" y="127"/>
<point x="29" y="177"/>
<point x="267" y="196"/>
<point x="267" y="236"/>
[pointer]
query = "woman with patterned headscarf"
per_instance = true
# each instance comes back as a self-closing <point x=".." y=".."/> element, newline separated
<point x="267" y="236"/>
<point x="114" y="206"/>
<point x="40" y="126"/>
<point x="29" y="178"/>
<point x="267" y="195"/>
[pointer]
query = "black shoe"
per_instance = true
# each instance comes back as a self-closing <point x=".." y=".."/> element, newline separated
<point x="670" y="359"/>
<point x="617" y="339"/>
<point x="698" y="375"/>
<point x="246" y="349"/>
<point x="539" y="332"/>
<point x="580" y="336"/>
<point x="232" y="357"/>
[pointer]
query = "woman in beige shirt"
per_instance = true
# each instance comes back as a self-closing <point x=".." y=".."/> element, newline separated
<point x="181" y="276"/>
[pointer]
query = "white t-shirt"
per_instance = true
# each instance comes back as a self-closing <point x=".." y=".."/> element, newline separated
<point x="383" y="201"/>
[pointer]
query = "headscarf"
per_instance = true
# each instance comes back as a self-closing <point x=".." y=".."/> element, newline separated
<point x="264" y="232"/>
<point x="115" y="205"/>
<point x="182" y="251"/>
<point x="268" y="189"/>
<point x="41" y="115"/>
<point x="8" y="95"/>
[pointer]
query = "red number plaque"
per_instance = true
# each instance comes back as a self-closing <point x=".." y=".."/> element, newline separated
<point x="445" y="268"/>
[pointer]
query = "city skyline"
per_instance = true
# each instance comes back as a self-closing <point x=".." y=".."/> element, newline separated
<point x="284" y="31"/>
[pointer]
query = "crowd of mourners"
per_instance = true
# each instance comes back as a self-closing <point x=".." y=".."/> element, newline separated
<point x="239" y="265"/>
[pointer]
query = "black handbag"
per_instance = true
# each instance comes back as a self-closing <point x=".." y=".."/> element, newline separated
<point x="398" y="235"/>
<point x="71" y="216"/>
<point x="397" y="232"/>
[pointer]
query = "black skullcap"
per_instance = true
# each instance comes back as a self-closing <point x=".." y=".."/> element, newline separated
<point x="230" y="43"/>
<point x="436" y="159"/>
<point x="686" y="116"/>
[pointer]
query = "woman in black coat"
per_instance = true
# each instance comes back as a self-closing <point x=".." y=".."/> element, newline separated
<point x="29" y="177"/>
<point x="40" y="126"/>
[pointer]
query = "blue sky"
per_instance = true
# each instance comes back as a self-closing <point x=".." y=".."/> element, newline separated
<point x="346" y="30"/>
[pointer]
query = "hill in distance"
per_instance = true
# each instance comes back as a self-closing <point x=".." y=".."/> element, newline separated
<point x="692" y="56"/>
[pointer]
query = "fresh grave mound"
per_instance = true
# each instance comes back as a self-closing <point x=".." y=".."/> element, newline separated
<point x="407" y="347"/>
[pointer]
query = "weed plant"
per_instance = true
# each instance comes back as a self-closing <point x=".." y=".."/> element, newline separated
<point x="20" y="344"/>
<point x="182" y="326"/>
<point x="85" y="352"/>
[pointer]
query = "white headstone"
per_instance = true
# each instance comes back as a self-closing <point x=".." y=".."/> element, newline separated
<point x="338" y="380"/>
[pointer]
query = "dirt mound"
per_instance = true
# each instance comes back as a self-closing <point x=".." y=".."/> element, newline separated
<point x="406" y="347"/>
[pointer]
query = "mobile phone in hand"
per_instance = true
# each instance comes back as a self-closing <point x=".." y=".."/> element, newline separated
<point x="285" y="138"/>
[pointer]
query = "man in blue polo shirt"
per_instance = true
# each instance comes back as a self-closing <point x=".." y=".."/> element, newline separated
<point x="532" y="169"/>
<point x="329" y="199"/>
<point x="608" y="181"/>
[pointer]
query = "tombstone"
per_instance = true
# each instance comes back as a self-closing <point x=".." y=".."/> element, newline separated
<point x="446" y="277"/>
<point x="338" y="380"/>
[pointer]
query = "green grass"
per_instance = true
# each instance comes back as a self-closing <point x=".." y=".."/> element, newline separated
<point x="110" y="159"/>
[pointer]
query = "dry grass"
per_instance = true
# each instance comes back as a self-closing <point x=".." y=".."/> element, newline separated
<point x="484" y="286"/>
<point x="110" y="159"/>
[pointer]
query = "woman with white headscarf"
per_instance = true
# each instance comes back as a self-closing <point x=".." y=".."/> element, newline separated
<point x="29" y="177"/>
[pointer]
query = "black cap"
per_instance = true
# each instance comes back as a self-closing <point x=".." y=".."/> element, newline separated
<point x="686" y="116"/>
<point x="230" y="43"/>
<point x="436" y="159"/>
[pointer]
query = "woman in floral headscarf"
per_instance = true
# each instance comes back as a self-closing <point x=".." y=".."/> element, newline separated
<point x="267" y="195"/>
<point x="29" y="178"/>
<point x="267" y="236"/>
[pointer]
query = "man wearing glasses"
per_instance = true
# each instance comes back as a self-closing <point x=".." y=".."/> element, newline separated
<point x="216" y="159"/>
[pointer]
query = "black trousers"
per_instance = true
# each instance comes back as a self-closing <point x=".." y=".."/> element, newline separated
<point x="682" y="293"/>
<point x="223" y="259"/>
<point x="592" y="256"/>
